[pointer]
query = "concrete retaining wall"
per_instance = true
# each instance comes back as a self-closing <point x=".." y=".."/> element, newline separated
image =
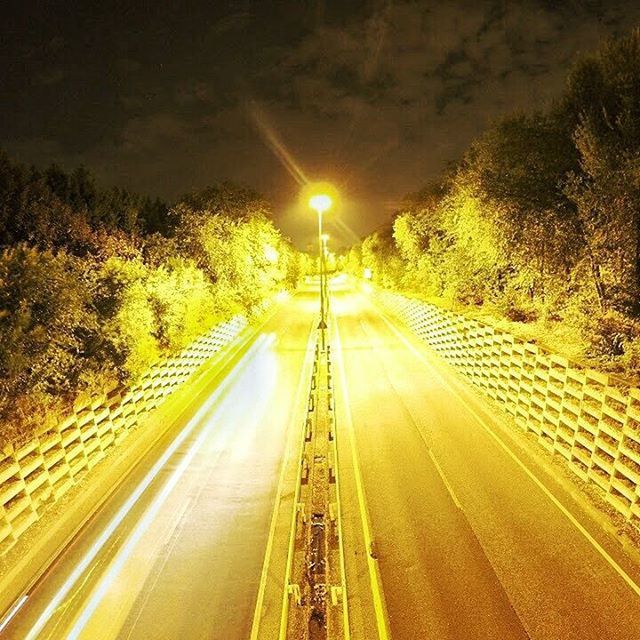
<point x="35" y="475"/>
<point x="577" y="413"/>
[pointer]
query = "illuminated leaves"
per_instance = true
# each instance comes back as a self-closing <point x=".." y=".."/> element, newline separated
<point x="44" y="299"/>
<point x="106" y="303"/>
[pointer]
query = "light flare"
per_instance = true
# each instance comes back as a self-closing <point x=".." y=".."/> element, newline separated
<point x="320" y="202"/>
<point x="59" y="597"/>
<point x="276" y="145"/>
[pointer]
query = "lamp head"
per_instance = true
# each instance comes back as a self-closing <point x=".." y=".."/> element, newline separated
<point x="321" y="202"/>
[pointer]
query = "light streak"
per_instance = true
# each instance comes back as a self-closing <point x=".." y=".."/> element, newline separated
<point x="12" y="612"/>
<point x="104" y="537"/>
<point x="347" y="230"/>
<point x="274" y="143"/>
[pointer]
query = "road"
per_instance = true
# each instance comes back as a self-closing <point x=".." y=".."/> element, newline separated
<point x="468" y="544"/>
<point x="472" y="536"/>
<point x="186" y="559"/>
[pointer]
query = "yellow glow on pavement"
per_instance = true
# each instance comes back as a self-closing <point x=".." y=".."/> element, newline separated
<point x="62" y="593"/>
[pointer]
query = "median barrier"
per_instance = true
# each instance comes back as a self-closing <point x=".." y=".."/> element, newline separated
<point x="580" y="414"/>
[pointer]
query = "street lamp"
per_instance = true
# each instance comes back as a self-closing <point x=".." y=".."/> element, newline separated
<point x="321" y="202"/>
<point x="325" y="256"/>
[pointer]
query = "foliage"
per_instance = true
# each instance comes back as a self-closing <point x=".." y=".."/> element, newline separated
<point x="45" y="319"/>
<point x="380" y="256"/>
<point x="516" y="171"/>
<point x="97" y="284"/>
<point x="55" y="209"/>
<point x="541" y="219"/>
<point x="604" y="98"/>
<point x="239" y="249"/>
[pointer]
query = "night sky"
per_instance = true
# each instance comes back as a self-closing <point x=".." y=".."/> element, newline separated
<point x="165" y="97"/>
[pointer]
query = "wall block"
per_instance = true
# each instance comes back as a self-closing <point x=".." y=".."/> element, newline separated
<point x="36" y="474"/>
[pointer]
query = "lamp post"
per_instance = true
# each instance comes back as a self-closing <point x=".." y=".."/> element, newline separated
<point x="325" y="256"/>
<point x="321" y="203"/>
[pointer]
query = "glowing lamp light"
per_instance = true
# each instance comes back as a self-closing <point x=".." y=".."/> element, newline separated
<point x="368" y="274"/>
<point x="271" y="254"/>
<point x="320" y="202"/>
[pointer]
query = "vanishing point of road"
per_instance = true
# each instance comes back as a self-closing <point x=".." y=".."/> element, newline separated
<point x="453" y="526"/>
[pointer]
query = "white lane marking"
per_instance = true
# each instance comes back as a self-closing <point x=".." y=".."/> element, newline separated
<point x="12" y="612"/>
<point x="255" y="626"/>
<point x="446" y="482"/>
<point x="596" y="545"/>
<point x="414" y="422"/>
<point x="81" y="567"/>
<point x="374" y="579"/>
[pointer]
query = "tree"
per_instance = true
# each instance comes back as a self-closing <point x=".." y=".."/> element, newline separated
<point x="604" y="100"/>
<point x="380" y="255"/>
<point x="227" y="232"/>
<point x="517" y="170"/>
<point x="226" y="199"/>
<point x="44" y="314"/>
<point x="421" y="237"/>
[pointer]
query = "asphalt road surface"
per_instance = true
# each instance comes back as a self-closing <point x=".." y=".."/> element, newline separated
<point x="185" y="561"/>
<point x="468" y="543"/>
<point x="473" y="538"/>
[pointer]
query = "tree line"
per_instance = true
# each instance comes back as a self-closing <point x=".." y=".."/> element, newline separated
<point x="96" y="284"/>
<point x="540" y="220"/>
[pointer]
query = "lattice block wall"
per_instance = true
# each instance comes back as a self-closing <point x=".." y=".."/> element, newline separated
<point x="576" y="413"/>
<point x="35" y="475"/>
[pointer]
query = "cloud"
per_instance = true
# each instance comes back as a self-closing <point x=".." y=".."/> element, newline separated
<point x="233" y="22"/>
<point x="378" y="97"/>
<point x="51" y="76"/>
<point x="438" y="70"/>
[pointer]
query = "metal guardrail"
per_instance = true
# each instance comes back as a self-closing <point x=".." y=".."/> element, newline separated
<point x="315" y="599"/>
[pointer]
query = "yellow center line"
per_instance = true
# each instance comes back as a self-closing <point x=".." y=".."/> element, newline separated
<point x="372" y="565"/>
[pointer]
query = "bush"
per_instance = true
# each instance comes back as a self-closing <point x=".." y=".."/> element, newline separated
<point x="611" y="335"/>
<point x="89" y="302"/>
<point x="44" y="316"/>
<point x="182" y="299"/>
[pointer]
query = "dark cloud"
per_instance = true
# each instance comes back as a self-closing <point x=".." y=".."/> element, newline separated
<point x="378" y="96"/>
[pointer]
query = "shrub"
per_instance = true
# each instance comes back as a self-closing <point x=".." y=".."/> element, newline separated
<point x="44" y="316"/>
<point x="610" y="335"/>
